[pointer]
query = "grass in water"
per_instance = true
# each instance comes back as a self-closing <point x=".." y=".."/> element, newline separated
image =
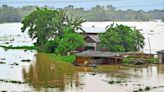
<point x="62" y="62"/>
<point x="12" y="81"/>
<point x="70" y="58"/>
<point x="19" y="47"/>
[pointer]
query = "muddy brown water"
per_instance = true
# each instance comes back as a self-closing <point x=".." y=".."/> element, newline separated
<point x="41" y="74"/>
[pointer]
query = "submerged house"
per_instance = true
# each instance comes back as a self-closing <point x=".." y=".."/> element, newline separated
<point x="97" y="57"/>
<point x="161" y="56"/>
<point x="91" y="52"/>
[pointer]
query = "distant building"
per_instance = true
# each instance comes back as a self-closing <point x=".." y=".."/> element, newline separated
<point x="161" y="56"/>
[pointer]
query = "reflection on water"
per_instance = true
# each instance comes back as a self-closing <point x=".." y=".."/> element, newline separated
<point x="43" y="74"/>
<point x="47" y="74"/>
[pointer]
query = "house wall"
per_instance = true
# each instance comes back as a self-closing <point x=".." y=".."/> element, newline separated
<point x="90" y="43"/>
<point x="98" y="60"/>
<point x="82" y="60"/>
<point x="107" y="61"/>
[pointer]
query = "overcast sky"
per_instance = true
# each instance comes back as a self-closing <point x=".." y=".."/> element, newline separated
<point x="88" y="4"/>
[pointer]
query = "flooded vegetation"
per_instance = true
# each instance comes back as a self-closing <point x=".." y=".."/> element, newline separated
<point x="19" y="47"/>
<point x="30" y="71"/>
<point x="12" y="81"/>
<point x="45" y="74"/>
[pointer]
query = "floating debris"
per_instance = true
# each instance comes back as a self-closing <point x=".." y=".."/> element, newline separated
<point x="151" y="30"/>
<point x="19" y="35"/>
<point x="93" y="73"/>
<point x="14" y="64"/>
<point x="27" y="60"/>
<point x="116" y="82"/>
<point x="138" y="84"/>
<point x="111" y="82"/>
<point x="140" y="89"/>
<point x="12" y="40"/>
<point x="6" y="42"/>
<point x="154" y="87"/>
<point x="147" y="88"/>
<point x="12" y="81"/>
<point x="2" y="62"/>
<point x="3" y="91"/>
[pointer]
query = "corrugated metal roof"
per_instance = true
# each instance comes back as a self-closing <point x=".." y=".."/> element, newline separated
<point x="90" y="53"/>
<point x="94" y="27"/>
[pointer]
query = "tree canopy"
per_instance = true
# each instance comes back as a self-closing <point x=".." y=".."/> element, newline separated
<point x="69" y="42"/>
<point x="53" y="29"/>
<point x="97" y="13"/>
<point x="122" y="38"/>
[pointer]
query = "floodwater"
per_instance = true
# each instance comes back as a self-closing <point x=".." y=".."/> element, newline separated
<point x="29" y="71"/>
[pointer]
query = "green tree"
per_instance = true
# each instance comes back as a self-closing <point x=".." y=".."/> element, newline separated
<point x="43" y="24"/>
<point x="122" y="38"/>
<point x="49" y="27"/>
<point x="68" y="43"/>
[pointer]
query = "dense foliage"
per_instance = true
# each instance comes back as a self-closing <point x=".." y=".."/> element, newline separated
<point x="10" y="14"/>
<point x="69" y="42"/>
<point x="122" y="38"/>
<point x="97" y="13"/>
<point x="53" y="30"/>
